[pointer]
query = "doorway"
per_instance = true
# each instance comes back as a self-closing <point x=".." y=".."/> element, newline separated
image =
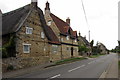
<point x="71" y="51"/>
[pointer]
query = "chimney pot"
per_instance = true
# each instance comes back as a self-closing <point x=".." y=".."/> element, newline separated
<point x="34" y="3"/>
<point x="47" y="6"/>
<point x="68" y="20"/>
<point x="79" y="33"/>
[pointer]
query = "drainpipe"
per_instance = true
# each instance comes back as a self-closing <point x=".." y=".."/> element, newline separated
<point x="72" y="48"/>
<point x="61" y="48"/>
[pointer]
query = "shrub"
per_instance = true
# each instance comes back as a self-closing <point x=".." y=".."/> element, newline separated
<point x="4" y="52"/>
<point x="8" y="49"/>
<point x="10" y="67"/>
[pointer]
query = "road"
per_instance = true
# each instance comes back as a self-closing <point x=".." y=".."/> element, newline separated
<point x="89" y="68"/>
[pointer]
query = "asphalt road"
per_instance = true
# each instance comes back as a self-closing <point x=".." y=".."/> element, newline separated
<point x="89" y="68"/>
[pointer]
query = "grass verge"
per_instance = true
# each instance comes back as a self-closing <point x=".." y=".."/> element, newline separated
<point x="69" y="60"/>
<point x="97" y="55"/>
<point x="119" y="64"/>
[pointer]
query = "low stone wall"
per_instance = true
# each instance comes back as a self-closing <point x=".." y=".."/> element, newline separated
<point x="10" y="62"/>
<point x="19" y="63"/>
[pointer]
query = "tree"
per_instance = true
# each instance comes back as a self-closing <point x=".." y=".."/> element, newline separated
<point x="83" y="49"/>
<point x="91" y="45"/>
<point x="96" y="50"/>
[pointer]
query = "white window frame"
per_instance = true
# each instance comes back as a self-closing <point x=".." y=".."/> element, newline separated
<point x="44" y="48"/>
<point x="67" y="37"/>
<point x="49" y="23"/>
<point x="29" y="30"/>
<point x="28" y="48"/>
<point x="55" y="46"/>
<point x="62" y="40"/>
<point x="42" y="35"/>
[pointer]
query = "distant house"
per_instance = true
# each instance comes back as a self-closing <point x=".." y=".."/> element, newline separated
<point x="64" y="32"/>
<point x="102" y="47"/>
<point x="82" y="41"/>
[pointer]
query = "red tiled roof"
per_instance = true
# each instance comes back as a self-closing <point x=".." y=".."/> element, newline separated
<point x="75" y="33"/>
<point x="62" y="26"/>
<point x="66" y="28"/>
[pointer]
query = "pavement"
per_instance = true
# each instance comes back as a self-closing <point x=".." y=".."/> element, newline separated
<point x="112" y="70"/>
<point x="89" y="68"/>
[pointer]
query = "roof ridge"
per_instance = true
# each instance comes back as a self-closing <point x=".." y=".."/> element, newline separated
<point x="60" y="19"/>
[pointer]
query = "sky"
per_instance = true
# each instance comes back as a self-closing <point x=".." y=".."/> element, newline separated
<point x="102" y="16"/>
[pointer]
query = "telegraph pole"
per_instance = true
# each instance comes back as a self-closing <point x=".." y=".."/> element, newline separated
<point x="89" y="35"/>
<point x="86" y="19"/>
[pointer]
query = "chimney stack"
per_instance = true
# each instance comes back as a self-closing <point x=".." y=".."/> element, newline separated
<point x="68" y="20"/>
<point x="47" y="6"/>
<point x="79" y="33"/>
<point x="34" y="3"/>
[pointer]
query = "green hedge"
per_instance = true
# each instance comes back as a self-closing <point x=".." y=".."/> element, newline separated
<point x="8" y="48"/>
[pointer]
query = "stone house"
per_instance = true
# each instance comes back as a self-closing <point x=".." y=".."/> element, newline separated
<point x="27" y="38"/>
<point x="103" y="48"/>
<point x="82" y="41"/>
<point x="65" y="34"/>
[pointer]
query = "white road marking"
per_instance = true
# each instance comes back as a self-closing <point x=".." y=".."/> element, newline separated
<point x="91" y="62"/>
<point x="55" y="76"/>
<point x="76" y="68"/>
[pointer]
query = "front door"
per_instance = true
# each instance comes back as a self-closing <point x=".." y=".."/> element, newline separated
<point x="71" y="51"/>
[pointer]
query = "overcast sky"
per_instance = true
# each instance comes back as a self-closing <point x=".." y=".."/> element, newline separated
<point x="102" y="16"/>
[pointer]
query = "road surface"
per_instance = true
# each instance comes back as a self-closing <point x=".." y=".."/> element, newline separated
<point x="89" y="68"/>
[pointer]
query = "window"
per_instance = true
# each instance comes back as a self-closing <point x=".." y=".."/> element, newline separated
<point x="42" y="35"/>
<point x="54" y="48"/>
<point x="67" y="37"/>
<point x="26" y="48"/>
<point x="29" y="30"/>
<point x="61" y="39"/>
<point x="49" y="22"/>
<point x="76" y="49"/>
<point x="44" y="48"/>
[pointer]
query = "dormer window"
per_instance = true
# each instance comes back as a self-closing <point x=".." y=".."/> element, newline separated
<point x="42" y="35"/>
<point x="29" y="30"/>
<point x="49" y="22"/>
<point x="67" y="37"/>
